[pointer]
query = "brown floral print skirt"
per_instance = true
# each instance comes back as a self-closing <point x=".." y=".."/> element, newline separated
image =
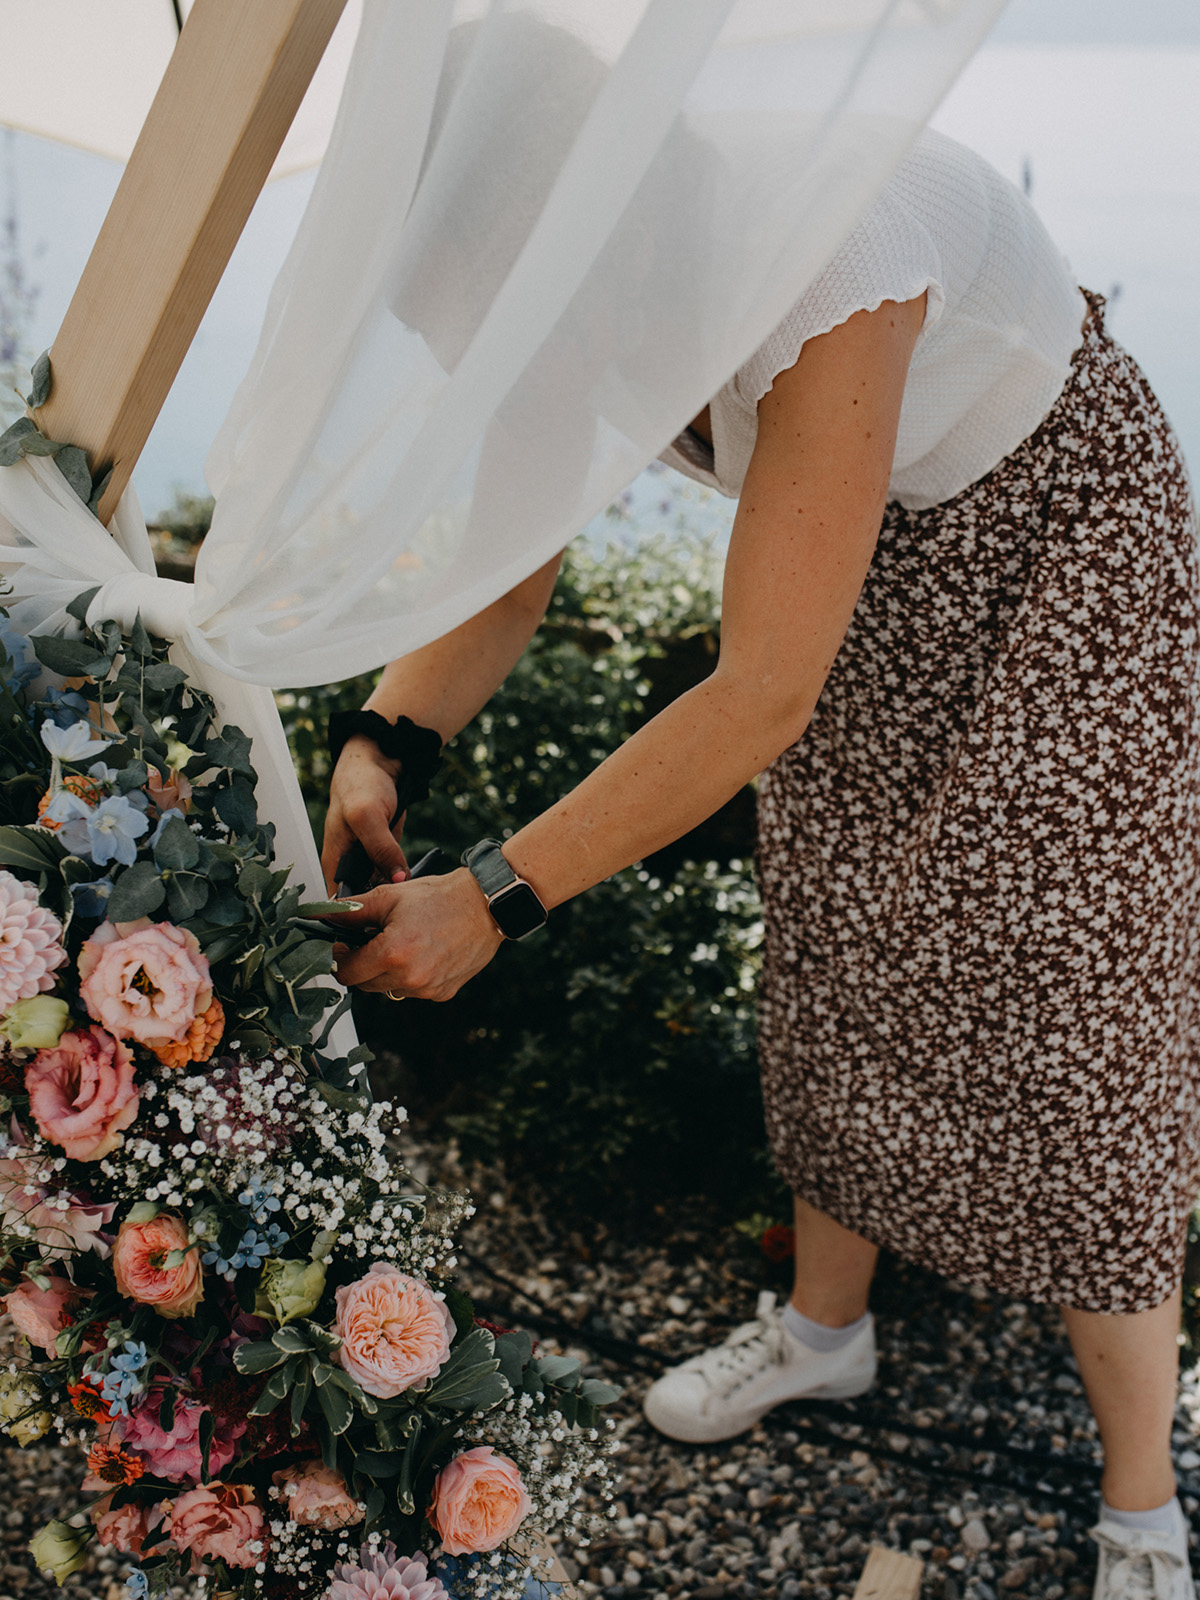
<point x="980" y="1026"/>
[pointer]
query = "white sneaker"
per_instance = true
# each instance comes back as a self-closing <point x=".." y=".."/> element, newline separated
<point x="1140" y="1564"/>
<point x="728" y="1388"/>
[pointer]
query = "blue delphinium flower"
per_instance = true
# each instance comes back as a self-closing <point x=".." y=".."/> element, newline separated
<point x="71" y="814"/>
<point x="91" y="899"/>
<point x="23" y="666"/>
<point x="64" y="706"/>
<point x="114" y="828"/>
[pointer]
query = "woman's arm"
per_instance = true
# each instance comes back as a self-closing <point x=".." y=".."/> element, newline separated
<point x="802" y="541"/>
<point x="441" y="686"/>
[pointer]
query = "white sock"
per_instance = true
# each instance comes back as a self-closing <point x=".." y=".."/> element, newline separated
<point x="1162" y="1519"/>
<point x="816" y="1335"/>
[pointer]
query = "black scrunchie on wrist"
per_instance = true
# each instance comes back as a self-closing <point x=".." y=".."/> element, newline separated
<point x="417" y="749"/>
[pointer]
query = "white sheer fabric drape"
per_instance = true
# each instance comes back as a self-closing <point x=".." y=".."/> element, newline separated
<point x="545" y="232"/>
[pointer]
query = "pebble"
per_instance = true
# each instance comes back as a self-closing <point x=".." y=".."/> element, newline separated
<point x="975" y="1536"/>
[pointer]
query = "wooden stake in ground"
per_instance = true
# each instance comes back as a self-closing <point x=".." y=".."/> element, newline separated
<point x="889" y="1575"/>
<point x="225" y="103"/>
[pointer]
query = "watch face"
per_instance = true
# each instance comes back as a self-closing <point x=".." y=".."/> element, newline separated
<point x="517" y="911"/>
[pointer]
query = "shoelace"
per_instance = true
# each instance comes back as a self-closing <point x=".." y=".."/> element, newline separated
<point x="748" y="1349"/>
<point x="1141" y="1567"/>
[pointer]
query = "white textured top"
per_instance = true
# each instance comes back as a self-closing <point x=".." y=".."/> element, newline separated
<point x="1003" y="319"/>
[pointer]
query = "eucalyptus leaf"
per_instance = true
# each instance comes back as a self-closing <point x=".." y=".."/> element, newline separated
<point x="139" y="892"/>
<point x="514" y="1351"/>
<point x="165" y="675"/>
<point x="43" y="382"/>
<point x="187" y="895"/>
<point x="177" y="847"/>
<point x="133" y="776"/>
<point x="78" y="608"/>
<point x="139" y="640"/>
<point x="555" y="1368"/>
<point x="236" y="809"/>
<point x="72" y="463"/>
<point x="70" y="658"/>
<point x="99" y="488"/>
<point x="12" y="441"/>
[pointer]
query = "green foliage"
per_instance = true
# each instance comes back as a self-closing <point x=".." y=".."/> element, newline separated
<point x="614" y="1050"/>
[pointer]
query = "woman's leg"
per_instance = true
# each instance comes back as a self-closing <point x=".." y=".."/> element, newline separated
<point x="833" y="1269"/>
<point x="1130" y="1369"/>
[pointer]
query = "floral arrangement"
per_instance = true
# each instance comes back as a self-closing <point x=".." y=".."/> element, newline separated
<point x="237" y="1298"/>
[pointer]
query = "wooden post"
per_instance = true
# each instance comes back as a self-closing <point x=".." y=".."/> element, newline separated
<point x="889" y="1575"/>
<point x="224" y="106"/>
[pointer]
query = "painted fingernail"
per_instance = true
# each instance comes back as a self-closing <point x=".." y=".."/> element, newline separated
<point x="399" y="876"/>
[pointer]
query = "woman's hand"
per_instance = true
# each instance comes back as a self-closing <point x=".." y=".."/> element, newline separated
<point x="362" y="802"/>
<point x="434" y="934"/>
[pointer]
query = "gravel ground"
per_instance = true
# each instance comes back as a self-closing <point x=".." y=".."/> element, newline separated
<point x="975" y="1451"/>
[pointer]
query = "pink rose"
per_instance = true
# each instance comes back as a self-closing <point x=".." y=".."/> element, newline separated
<point x="62" y="1222"/>
<point x="146" y="983"/>
<point x="316" y="1496"/>
<point x="220" y="1520"/>
<point x="395" y="1331"/>
<point x="42" y="1314"/>
<point x="140" y="1266"/>
<point x="126" y="1528"/>
<point x="478" y="1501"/>
<point x="176" y="1456"/>
<point x="82" y="1093"/>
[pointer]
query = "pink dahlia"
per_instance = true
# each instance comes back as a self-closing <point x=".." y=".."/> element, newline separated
<point x="176" y="1455"/>
<point x="386" y="1577"/>
<point x="30" y="948"/>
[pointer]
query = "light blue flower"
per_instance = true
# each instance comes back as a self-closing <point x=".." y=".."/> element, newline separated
<point x="122" y="1380"/>
<point x="114" y="828"/>
<point x="64" y="706"/>
<point x="133" y="1358"/>
<point x="75" y="742"/>
<point x="71" y="813"/>
<point x="253" y="1248"/>
<point x="138" y="1584"/>
<point x="91" y="899"/>
<point x="23" y="666"/>
<point x="259" y="1202"/>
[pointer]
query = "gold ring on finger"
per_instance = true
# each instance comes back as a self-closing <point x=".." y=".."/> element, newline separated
<point x="392" y="995"/>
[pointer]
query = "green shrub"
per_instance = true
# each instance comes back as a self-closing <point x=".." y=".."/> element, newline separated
<point x="615" y="1049"/>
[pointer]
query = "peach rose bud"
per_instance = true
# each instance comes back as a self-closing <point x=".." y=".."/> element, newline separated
<point x="139" y="1261"/>
<point x="478" y="1502"/>
<point x="395" y="1331"/>
<point x="315" y="1496"/>
<point x="82" y="1094"/>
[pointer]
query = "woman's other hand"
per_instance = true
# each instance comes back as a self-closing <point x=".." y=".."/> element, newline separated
<point x="434" y="934"/>
<point x="362" y="803"/>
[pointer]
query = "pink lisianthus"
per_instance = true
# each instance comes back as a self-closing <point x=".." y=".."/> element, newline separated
<point x="60" y="1223"/>
<point x="395" y="1331"/>
<point x="82" y="1094"/>
<point x="478" y="1502"/>
<point x="221" y="1521"/>
<point x="127" y="1528"/>
<point x="176" y="1455"/>
<point x="30" y="943"/>
<point x="140" y="1265"/>
<point x="147" y="982"/>
<point x="384" y="1575"/>
<point x="42" y="1314"/>
<point x="316" y="1496"/>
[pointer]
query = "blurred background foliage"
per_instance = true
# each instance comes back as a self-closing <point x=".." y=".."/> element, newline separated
<point x="612" y="1055"/>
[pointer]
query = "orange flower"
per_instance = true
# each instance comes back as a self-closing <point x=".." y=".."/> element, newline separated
<point x="82" y="787"/>
<point x="88" y="1401"/>
<point x="112" y="1464"/>
<point x="198" y="1043"/>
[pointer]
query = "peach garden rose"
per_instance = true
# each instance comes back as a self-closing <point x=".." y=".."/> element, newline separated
<point x="478" y="1501"/>
<point x="140" y="1265"/>
<point x="395" y="1331"/>
<point x="220" y="1520"/>
<point x="144" y="980"/>
<point x="82" y="1094"/>
<point x="42" y="1314"/>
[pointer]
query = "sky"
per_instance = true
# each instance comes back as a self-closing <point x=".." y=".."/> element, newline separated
<point x="1094" y="99"/>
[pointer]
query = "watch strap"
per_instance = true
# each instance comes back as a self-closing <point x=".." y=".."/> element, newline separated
<point x="513" y="903"/>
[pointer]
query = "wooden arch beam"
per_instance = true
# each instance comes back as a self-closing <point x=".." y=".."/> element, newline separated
<point x="226" y="101"/>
